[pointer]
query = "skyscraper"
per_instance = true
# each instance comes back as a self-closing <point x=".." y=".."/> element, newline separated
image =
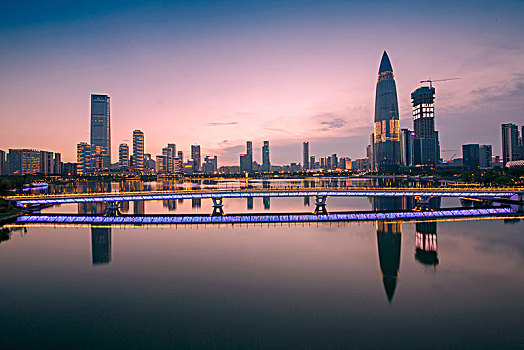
<point x="101" y="127"/>
<point x="23" y="161"/>
<point x="485" y="155"/>
<point x="305" y="156"/>
<point x="173" y="156"/>
<point x="244" y="163"/>
<point x="3" y="165"/>
<point x="266" y="164"/>
<point x="470" y="156"/>
<point x="387" y="130"/>
<point x="425" y="142"/>
<point x="510" y="142"/>
<point x="249" y="154"/>
<point x="138" y="151"/>
<point x="123" y="156"/>
<point x="406" y="147"/>
<point x="83" y="158"/>
<point x="167" y="152"/>
<point x="195" y="155"/>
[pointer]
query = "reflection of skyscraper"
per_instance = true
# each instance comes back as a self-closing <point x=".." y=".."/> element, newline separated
<point x="101" y="245"/>
<point x="389" y="239"/>
<point x="139" y="208"/>
<point x="387" y="130"/>
<point x="196" y="203"/>
<point x="101" y="127"/>
<point x="124" y="207"/>
<point x="267" y="203"/>
<point x="426" y="243"/>
<point x="170" y="204"/>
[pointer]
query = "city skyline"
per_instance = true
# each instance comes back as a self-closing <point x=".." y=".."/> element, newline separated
<point x="221" y="87"/>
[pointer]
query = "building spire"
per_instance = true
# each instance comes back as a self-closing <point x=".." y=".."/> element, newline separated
<point x="385" y="64"/>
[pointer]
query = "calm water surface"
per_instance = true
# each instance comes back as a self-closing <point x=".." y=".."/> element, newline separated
<point x="387" y="285"/>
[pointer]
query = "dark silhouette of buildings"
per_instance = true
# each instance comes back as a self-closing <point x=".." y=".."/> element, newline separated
<point x="386" y="148"/>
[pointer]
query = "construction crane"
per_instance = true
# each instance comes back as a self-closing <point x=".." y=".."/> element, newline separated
<point x="431" y="81"/>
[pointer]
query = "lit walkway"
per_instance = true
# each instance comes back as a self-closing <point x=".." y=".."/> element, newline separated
<point x="246" y="193"/>
<point x="261" y="218"/>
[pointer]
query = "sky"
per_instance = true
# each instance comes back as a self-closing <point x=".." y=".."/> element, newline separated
<point x="218" y="73"/>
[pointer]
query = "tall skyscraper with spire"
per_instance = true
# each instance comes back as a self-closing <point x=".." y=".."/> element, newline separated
<point x="387" y="128"/>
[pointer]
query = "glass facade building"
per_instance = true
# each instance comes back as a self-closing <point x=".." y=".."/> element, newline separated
<point x="387" y="128"/>
<point x="101" y="128"/>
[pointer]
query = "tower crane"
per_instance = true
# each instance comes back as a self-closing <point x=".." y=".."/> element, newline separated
<point x="431" y="81"/>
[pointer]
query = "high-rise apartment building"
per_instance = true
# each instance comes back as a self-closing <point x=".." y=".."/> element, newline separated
<point x="249" y="154"/>
<point x="245" y="163"/>
<point x="123" y="156"/>
<point x="305" y="156"/>
<point x="266" y="164"/>
<point x="425" y="142"/>
<point x="83" y="158"/>
<point x="387" y="130"/>
<point x="3" y="164"/>
<point x="172" y="146"/>
<point x="210" y="164"/>
<point x="510" y="143"/>
<point x="101" y="128"/>
<point x="167" y="152"/>
<point x="161" y="165"/>
<point x="312" y="162"/>
<point x="47" y="163"/>
<point x="195" y="155"/>
<point x="58" y="163"/>
<point x="470" y="156"/>
<point x="23" y="161"/>
<point x="485" y="155"/>
<point x="138" y="151"/>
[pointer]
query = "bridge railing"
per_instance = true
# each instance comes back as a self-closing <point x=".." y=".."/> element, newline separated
<point x="472" y="189"/>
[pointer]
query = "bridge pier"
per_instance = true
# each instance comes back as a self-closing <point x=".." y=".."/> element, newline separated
<point x="422" y="203"/>
<point x="218" y="207"/>
<point x="112" y="209"/>
<point x="320" y="205"/>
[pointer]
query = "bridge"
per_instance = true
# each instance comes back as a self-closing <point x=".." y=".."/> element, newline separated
<point x="475" y="192"/>
<point x="200" y="219"/>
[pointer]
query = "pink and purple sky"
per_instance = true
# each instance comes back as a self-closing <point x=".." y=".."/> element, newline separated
<point x="219" y="73"/>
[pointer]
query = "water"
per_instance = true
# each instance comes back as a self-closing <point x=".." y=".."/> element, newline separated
<point x="385" y="285"/>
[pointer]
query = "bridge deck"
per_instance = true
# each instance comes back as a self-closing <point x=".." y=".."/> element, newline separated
<point x="261" y="218"/>
<point x="202" y="194"/>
